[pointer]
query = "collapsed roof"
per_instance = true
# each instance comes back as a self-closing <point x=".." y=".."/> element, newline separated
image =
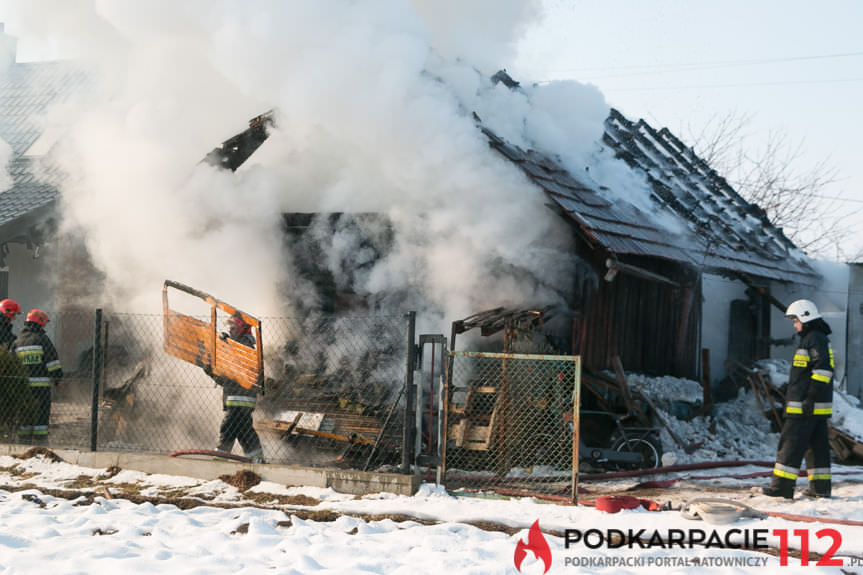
<point x="720" y="231"/>
<point x="723" y="232"/>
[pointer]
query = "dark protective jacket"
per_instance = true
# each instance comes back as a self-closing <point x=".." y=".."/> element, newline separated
<point x="7" y="337"/>
<point x="234" y="394"/>
<point x="810" y="383"/>
<point x="36" y="351"/>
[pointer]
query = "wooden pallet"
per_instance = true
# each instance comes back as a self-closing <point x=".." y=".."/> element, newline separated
<point x="342" y="427"/>
<point x="472" y="426"/>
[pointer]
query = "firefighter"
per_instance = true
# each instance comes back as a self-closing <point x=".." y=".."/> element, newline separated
<point x="9" y="310"/>
<point x="238" y="403"/>
<point x="10" y="384"/>
<point x="38" y="354"/>
<point x="808" y="405"/>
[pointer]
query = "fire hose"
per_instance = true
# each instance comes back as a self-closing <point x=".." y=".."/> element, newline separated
<point x="673" y="468"/>
<point x="711" y="510"/>
<point x="718" y="511"/>
<point x="614" y="503"/>
<point x="694" y="467"/>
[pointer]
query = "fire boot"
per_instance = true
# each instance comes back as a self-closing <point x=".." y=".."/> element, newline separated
<point x="257" y="455"/>
<point x="819" y="483"/>
<point x="780" y="487"/>
<point x="817" y="493"/>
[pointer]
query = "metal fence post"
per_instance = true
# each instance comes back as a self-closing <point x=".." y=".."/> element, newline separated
<point x="97" y="374"/>
<point x="409" y="424"/>
<point x="576" y="427"/>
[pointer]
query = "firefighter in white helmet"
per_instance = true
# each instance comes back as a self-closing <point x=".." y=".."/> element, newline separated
<point x="808" y="405"/>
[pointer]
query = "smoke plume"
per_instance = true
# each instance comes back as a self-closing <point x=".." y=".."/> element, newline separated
<point x="374" y="107"/>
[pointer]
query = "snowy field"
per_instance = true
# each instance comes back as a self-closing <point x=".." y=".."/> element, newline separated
<point x="61" y="518"/>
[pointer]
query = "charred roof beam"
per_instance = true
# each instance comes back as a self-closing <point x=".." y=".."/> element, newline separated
<point x="234" y="151"/>
<point x="614" y="267"/>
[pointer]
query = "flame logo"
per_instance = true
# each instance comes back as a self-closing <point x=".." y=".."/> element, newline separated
<point x="537" y="544"/>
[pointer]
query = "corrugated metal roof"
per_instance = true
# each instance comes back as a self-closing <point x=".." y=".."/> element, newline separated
<point x="718" y="230"/>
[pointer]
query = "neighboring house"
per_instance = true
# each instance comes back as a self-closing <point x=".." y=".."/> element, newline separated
<point x="29" y="257"/>
<point x="854" y="336"/>
<point x="657" y="295"/>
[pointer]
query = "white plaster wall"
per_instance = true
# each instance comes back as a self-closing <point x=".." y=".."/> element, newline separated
<point x="30" y="280"/>
<point x="718" y="293"/>
<point x="854" y="340"/>
<point x="32" y="284"/>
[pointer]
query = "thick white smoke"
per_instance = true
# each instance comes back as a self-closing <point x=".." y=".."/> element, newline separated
<point x="374" y="106"/>
<point x="5" y="156"/>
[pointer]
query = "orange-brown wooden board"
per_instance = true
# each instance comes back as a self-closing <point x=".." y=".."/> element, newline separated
<point x="197" y="341"/>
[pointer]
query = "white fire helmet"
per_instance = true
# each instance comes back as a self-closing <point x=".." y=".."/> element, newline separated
<point x="802" y="309"/>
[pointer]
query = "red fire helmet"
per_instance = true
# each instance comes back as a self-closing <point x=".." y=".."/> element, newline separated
<point x="10" y="308"/>
<point x="37" y="316"/>
<point x="239" y="325"/>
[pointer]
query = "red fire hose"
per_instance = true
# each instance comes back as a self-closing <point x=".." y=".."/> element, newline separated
<point x="673" y="468"/>
<point x="614" y="503"/>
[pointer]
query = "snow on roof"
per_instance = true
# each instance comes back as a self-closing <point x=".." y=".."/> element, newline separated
<point x="27" y="90"/>
<point x="716" y="228"/>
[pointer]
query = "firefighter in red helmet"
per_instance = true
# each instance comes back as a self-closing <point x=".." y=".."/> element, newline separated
<point x="9" y="310"/>
<point x="37" y="353"/>
<point x="238" y="403"/>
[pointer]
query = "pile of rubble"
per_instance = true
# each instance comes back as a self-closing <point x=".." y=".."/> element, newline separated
<point x="744" y="427"/>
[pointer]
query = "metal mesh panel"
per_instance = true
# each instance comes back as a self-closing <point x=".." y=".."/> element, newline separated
<point x="510" y="421"/>
<point x="338" y="379"/>
<point x="330" y="383"/>
<point x="70" y="406"/>
<point x="17" y="405"/>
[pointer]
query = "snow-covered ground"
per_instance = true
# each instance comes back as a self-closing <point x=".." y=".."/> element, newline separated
<point x="58" y="517"/>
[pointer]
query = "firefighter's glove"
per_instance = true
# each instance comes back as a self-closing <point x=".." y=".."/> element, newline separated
<point x="57" y="382"/>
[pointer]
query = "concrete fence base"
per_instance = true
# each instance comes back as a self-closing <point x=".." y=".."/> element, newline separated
<point x="343" y="481"/>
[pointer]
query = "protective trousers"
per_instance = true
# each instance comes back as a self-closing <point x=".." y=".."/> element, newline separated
<point x="35" y="421"/>
<point x="237" y="424"/>
<point x="803" y="437"/>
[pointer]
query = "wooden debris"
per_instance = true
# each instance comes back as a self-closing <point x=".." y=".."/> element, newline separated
<point x="43" y="451"/>
<point x="848" y="448"/>
<point x="623" y="387"/>
<point x="242" y="480"/>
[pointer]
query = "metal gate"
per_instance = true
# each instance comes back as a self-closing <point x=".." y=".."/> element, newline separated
<point x="510" y="423"/>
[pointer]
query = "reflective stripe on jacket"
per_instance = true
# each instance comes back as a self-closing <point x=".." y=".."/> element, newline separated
<point x="38" y="354"/>
<point x="810" y="382"/>
<point x="240" y="401"/>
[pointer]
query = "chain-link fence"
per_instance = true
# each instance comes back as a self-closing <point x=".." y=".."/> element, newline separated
<point x="510" y="421"/>
<point x="333" y="395"/>
<point x="330" y="383"/>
